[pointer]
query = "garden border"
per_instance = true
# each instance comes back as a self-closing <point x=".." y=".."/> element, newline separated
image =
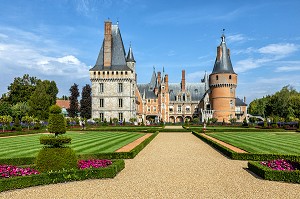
<point x="62" y="176"/>
<point x="274" y="175"/>
<point x="245" y="156"/>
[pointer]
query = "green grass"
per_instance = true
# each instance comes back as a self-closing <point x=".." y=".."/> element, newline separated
<point x="262" y="142"/>
<point x="84" y="142"/>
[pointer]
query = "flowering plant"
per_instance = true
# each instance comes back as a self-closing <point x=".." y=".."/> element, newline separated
<point x="93" y="163"/>
<point x="281" y="165"/>
<point x="7" y="171"/>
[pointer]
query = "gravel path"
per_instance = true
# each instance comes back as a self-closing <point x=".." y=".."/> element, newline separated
<point x="173" y="165"/>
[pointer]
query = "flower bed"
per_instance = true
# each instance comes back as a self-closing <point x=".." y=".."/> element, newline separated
<point x="86" y="164"/>
<point x="267" y="173"/>
<point x="281" y="165"/>
<point x="53" y="177"/>
<point x="7" y="171"/>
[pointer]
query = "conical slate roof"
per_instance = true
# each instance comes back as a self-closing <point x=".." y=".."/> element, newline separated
<point x="130" y="56"/>
<point x="118" y="61"/>
<point x="223" y="65"/>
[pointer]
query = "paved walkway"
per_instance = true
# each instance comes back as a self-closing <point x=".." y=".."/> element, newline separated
<point x="173" y="165"/>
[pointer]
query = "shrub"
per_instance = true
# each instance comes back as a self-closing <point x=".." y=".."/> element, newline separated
<point x="56" y="159"/>
<point x="55" y="141"/>
<point x="17" y="125"/>
<point x="56" y="121"/>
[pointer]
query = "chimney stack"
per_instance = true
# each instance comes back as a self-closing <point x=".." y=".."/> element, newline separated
<point x="107" y="44"/>
<point x="183" y="81"/>
<point x="167" y="82"/>
<point x="245" y="99"/>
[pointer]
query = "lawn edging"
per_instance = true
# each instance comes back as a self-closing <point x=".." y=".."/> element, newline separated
<point x="274" y="175"/>
<point x="245" y="156"/>
<point x="62" y="176"/>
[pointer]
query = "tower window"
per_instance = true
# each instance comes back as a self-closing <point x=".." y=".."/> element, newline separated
<point x="120" y="117"/>
<point x="229" y="76"/>
<point x="120" y="103"/>
<point x="217" y="77"/>
<point x="120" y="87"/>
<point x="101" y="117"/>
<point x="101" y="88"/>
<point x="101" y="102"/>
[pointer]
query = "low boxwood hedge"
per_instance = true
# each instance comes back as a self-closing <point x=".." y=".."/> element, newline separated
<point x="62" y="176"/>
<point x="274" y="175"/>
<point x="245" y="156"/>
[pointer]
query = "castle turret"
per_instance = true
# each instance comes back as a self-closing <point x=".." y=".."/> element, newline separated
<point x="222" y="84"/>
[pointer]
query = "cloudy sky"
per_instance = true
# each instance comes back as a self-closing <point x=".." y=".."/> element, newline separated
<point x="60" y="40"/>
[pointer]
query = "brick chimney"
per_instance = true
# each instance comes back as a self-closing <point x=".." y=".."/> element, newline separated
<point x="107" y="44"/>
<point x="183" y="81"/>
<point x="158" y="78"/>
<point x="167" y="82"/>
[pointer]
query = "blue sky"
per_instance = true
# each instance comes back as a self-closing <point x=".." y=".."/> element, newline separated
<point x="60" y="40"/>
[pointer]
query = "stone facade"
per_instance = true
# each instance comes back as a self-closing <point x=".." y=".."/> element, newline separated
<point x="159" y="100"/>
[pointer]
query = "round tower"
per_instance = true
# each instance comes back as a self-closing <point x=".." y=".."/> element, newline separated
<point x="222" y="84"/>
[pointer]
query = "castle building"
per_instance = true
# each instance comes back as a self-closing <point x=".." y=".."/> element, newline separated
<point x="116" y="94"/>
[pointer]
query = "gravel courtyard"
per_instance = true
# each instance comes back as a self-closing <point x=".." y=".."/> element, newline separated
<point x="173" y="165"/>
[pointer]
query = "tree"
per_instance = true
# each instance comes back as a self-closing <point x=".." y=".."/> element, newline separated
<point x="73" y="110"/>
<point x="5" y="121"/>
<point x="21" y="89"/>
<point x="28" y="120"/>
<point x="86" y="102"/>
<point x="40" y="102"/>
<point x="20" y="109"/>
<point x="5" y="108"/>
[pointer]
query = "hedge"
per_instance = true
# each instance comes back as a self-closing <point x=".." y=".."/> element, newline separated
<point x="25" y="132"/>
<point x="62" y="176"/>
<point x="237" y="129"/>
<point x="245" y="156"/>
<point x="274" y="175"/>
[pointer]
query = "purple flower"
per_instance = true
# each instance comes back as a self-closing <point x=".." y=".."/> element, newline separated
<point x="281" y="165"/>
<point x="93" y="163"/>
<point x="7" y="171"/>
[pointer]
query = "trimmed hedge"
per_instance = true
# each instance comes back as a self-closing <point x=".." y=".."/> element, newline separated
<point x="56" y="141"/>
<point x="26" y="132"/>
<point x="62" y="176"/>
<point x="246" y="156"/>
<point x="121" y="129"/>
<point x="274" y="175"/>
<point x="237" y="129"/>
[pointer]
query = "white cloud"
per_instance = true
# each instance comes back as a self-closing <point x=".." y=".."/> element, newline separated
<point x="236" y="38"/>
<point x="279" y="49"/>
<point x="195" y="76"/>
<point x="287" y="68"/>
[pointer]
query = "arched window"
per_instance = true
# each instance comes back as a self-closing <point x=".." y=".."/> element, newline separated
<point x="217" y="77"/>
<point x="229" y="76"/>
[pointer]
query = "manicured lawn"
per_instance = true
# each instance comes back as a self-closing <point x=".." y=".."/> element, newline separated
<point x="262" y="142"/>
<point x="82" y="142"/>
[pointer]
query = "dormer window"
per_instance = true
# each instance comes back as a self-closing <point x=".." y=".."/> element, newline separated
<point x="229" y="76"/>
<point x="217" y="77"/>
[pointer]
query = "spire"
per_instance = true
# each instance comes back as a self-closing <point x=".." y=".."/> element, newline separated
<point x="152" y="84"/>
<point x="223" y="62"/>
<point x="130" y="56"/>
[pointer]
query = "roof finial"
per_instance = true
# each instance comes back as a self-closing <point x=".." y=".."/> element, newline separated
<point x="118" y="21"/>
<point x="223" y="36"/>
<point x="154" y="68"/>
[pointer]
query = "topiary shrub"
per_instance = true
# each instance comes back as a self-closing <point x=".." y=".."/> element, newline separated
<point x="56" y="123"/>
<point x="17" y="125"/>
<point x="56" y="159"/>
<point x="55" y="156"/>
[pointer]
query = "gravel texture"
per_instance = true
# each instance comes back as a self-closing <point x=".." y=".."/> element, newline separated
<point x="173" y="165"/>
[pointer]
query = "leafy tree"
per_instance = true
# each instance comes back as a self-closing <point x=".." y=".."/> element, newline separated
<point x="40" y="101"/>
<point x="5" y="120"/>
<point x="86" y="102"/>
<point x="28" y="120"/>
<point x="51" y="90"/>
<point x="5" y="108"/>
<point x="73" y="110"/>
<point x="21" y="89"/>
<point x="20" y="109"/>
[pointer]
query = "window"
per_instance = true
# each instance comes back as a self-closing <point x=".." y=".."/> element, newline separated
<point x="154" y="108"/>
<point x="148" y="108"/>
<point x="101" y="117"/>
<point x="179" y="98"/>
<point x="120" y="103"/>
<point x="101" y="102"/>
<point x="120" y="87"/>
<point x="101" y="88"/>
<point x="231" y="103"/>
<point x="148" y="100"/>
<point x="120" y="117"/>
<point x="188" y="109"/>
<point x="229" y="76"/>
<point x="179" y="109"/>
<point x="154" y="100"/>
<point x="171" y="109"/>
<point x="217" y="77"/>
<point x="163" y="95"/>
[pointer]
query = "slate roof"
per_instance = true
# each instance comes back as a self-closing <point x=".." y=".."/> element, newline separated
<point x="118" y="53"/>
<point x="224" y="64"/>
<point x="196" y="90"/>
<point x="130" y="56"/>
<point x="239" y="102"/>
<point x="145" y="89"/>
